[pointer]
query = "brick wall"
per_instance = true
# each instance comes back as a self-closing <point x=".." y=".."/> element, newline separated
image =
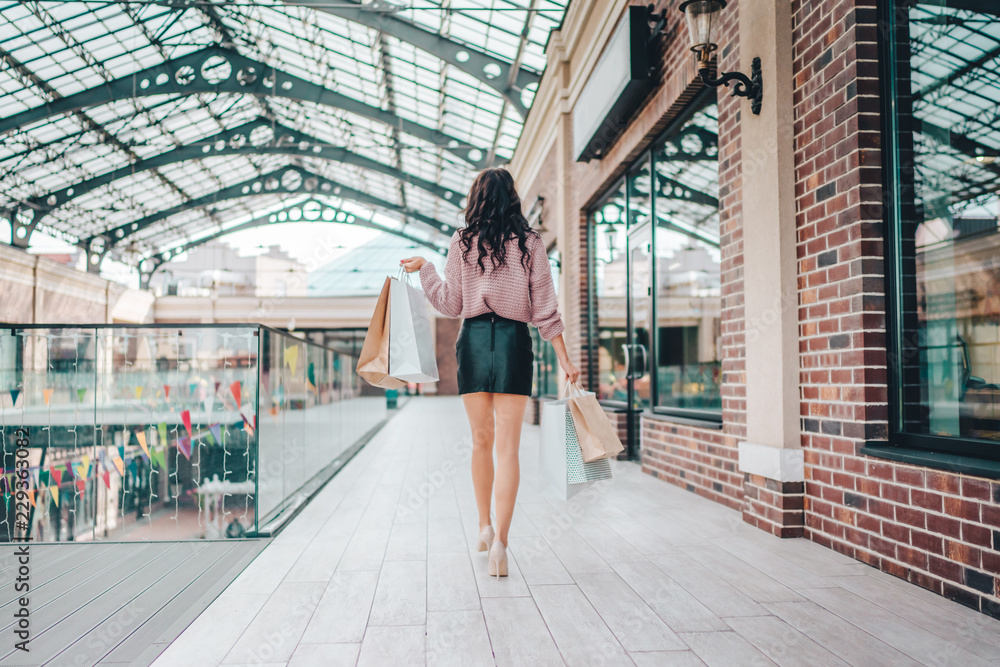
<point x="697" y="459"/>
<point x="939" y="530"/>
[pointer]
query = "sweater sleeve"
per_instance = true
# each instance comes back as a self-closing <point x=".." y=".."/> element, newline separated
<point x="544" y="303"/>
<point x="445" y="295"/>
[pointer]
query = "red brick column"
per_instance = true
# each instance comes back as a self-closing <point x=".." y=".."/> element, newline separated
<point x="773" y="506"/>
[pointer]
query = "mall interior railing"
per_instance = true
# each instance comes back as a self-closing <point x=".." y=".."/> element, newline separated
<point x="169" y="432"/>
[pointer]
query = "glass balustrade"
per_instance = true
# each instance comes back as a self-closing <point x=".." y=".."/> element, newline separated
<point x="131" y="433"/>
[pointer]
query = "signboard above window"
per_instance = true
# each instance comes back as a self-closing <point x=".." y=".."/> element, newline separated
<point x="619" y="80"/>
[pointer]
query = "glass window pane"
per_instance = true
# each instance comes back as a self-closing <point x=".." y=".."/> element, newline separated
<point x="610" y="277"/>
<point x="948" y="83"/>
<point x="640" y="248"/>
<point x="688" y="297"/>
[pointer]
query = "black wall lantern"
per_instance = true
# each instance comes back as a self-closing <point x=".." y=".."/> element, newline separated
<point x="701" y="16"/>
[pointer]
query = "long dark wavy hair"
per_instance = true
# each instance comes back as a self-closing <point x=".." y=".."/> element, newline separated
<point x="493" y="214"/>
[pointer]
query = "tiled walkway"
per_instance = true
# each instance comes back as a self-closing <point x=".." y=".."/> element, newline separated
<point x="378" y="570"/>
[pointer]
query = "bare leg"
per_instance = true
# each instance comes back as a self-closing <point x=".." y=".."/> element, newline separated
<point x="509" y="410"/>
<point x="479" y="407"/>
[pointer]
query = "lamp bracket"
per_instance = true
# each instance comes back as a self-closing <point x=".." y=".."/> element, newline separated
<point x="750" y="87"/>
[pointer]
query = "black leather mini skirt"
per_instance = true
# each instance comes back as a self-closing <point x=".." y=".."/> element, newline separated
<point x="494" y="355"/>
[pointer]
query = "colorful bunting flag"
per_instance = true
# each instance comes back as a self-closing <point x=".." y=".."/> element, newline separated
<point x="162" y="428"/>
<point x="218" y="383"/>
<point x="31" y="496"/>
<point x="81" y="484"/>
<point x="56" y="475"/>
<point x="133" y="468"/>
<point x="138" y="393"/>
<point x="186" y="418"/>
<point x="107" y="479"/>
<point x="292" y="357"/>
<point x="166" y="391"/>
<point x="192" y="387"/>
<point x="54" y="490"/>
<point x="83" y="468"/>
<point x="184" y="444"/>
<point x="14" y="393"/>
<point x="69" y="471"/>
<point x="237" y="392"/>
<point x="80" y="393"/>
<point x="47" y="395"/>
<point x="120" y="465"/>
<point x="141" y="437"/>
<point x="216" y="430"/>
<point x="209" y="402"/>
<point x="159" y="458"/>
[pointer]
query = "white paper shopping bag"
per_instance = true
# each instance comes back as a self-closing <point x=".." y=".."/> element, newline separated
<point x="411" y="342"/>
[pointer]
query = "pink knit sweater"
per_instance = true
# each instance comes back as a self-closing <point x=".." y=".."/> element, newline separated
<point x="509" y="291"/>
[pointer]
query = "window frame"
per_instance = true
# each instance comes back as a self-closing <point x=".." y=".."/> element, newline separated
<point x="593" y="322"/>
<point x="700" y="417"/>
<point x="898" y="437"/>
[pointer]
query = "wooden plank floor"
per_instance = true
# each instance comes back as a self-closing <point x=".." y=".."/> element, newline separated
<point x="114" y="603"/>
<point x="379" y="570"/>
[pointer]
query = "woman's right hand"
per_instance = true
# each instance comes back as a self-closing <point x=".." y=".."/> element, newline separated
<point x="572" y="372"/>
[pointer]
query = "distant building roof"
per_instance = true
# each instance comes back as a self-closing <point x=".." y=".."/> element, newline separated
<point x="362" y="271"/>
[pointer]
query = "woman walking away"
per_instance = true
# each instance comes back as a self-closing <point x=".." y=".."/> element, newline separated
<point x="498" y="279"/>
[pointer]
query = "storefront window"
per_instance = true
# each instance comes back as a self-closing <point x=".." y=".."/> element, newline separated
<point x="688" y="303"/>
<point x="547" y="375"/>
<point x="610" y="285"/>
<point x="945" y="240"/>
<point x="640" y="248"/>
<point x="656" y="259"/>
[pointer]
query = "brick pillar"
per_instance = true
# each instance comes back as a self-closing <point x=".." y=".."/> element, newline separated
<point x="777" y="507"/>
<point x="771" y="456"/>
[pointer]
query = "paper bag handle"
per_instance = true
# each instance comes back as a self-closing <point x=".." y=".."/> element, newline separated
<point x="574" y="389"/>
<point x="404" y="277"/>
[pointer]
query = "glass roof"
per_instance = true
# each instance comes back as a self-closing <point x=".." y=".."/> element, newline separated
<point x="57" y="49"/>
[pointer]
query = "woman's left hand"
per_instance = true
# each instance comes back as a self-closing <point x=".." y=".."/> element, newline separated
<point x="411" y="264"/>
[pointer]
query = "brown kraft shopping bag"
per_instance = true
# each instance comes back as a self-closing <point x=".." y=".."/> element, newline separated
<point x="597" y="437"/>
<point x="373" y="364"/>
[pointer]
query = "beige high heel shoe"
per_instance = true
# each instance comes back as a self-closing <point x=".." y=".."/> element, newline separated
<point x="486" y="536"/>
<point x="498" y="560"/>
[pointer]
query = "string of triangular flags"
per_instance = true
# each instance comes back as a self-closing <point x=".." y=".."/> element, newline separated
<point x="207" y="398"/>
<point x="51" y="477"/>
<point x="291" y="358"/>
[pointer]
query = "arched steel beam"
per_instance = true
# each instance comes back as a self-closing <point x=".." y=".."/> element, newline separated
<point x="311" y="210"/>
<point x="240" y="140"/>
<point x="668" y="188"/>
<point x="494" y="72"/>
<point x="286" y="180"/>
<point x="219" y="70"/>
